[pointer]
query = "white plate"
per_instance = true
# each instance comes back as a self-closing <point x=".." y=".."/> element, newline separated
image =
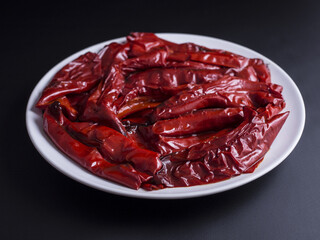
<point x="280" y="149"/>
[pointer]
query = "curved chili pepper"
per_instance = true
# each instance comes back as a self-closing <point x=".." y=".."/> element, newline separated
<point x="199" y="121"/>
<point x="210" y="58"/>
<point x="168" y="145"/>
<point x="221" y="93"/>
<point x="78" y="76"/>
<point x="167" y="82"/>
<point x="142" y="43"/>
<point x="171" y="77"/>
<point x="164" y="58"/>
<point x="146" y="42"/>
<point x="176" y="106"/>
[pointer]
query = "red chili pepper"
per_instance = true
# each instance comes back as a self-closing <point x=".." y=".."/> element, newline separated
<point x="221" y="93"/>
<point x="165" y="58"/>
<point x="168" y="81"/>
<point x="147" y="42"/>
<point x="199" y="121"/>
<point x="210" y="58"/>
<point x="142" y="43"/>
<point x="171" y="77"/>
<point x="78" y="76"/>
<point x="168" y="145"/>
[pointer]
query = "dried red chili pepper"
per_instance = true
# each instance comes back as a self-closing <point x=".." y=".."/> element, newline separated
<point x="171" y="77"/>
<point x="223" y="93"/>
<point x="151" y="113"/>
<point x="199" y="121"/>
<point x="78" y="76"/>
<point x="166" y="144"/>
<point x="167" y="81"/>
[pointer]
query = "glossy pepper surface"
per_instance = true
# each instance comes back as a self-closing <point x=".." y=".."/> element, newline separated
<point x="152" y="114"/>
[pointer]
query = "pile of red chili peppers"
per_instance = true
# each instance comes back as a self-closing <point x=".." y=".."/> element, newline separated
<point x="153" y="114"/>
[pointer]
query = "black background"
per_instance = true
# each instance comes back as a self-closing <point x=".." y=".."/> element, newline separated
<point x="38" y="202"/>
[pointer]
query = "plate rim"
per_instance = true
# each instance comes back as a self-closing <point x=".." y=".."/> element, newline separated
<point x="153" y="194"/>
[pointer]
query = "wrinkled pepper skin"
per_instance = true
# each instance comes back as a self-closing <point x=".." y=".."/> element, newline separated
<point x="149" y="113"/>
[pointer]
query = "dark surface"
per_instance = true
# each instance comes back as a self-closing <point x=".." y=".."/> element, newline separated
<point x="38" y="202"/>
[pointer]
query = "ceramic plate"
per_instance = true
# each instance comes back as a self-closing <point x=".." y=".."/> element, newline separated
<point x="280" y="149"/>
